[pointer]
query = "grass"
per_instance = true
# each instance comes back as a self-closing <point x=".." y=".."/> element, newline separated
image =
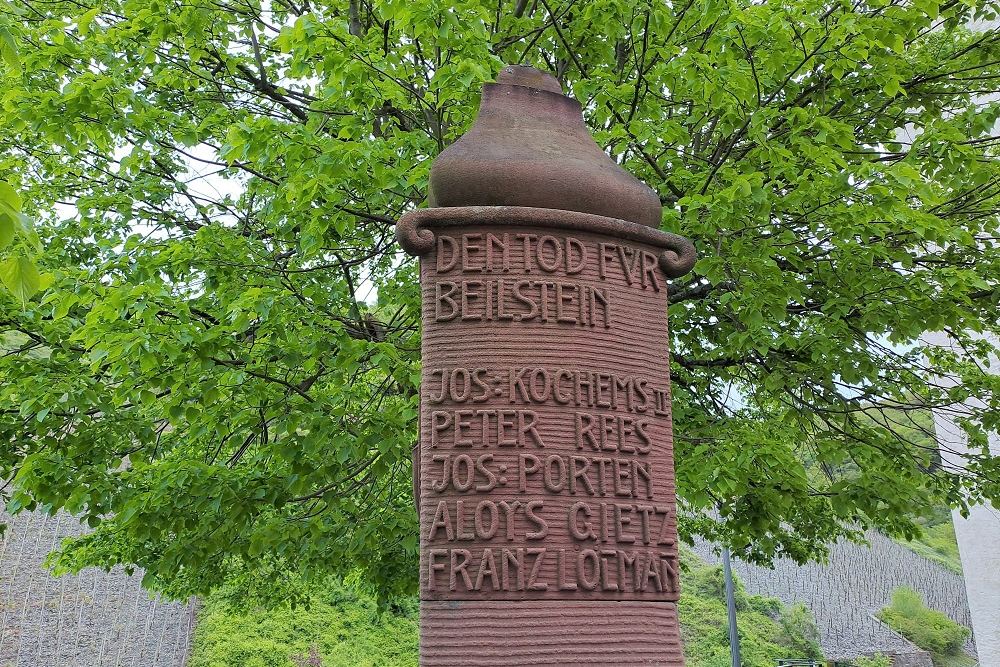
<point x="938" y="543"/>
<point x="962" y="660"/>
<point x="928" y="628"/>
<point x="768" y="631"/>
<point x="344" y="628"/>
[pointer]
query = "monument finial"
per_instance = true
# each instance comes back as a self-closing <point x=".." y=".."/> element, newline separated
<point x="525" y="75"/>
<point x="529" y="146"/>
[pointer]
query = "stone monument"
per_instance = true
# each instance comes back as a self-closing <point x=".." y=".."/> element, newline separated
<point x="544" y="473"/>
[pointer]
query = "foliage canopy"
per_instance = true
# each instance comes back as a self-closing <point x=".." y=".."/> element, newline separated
<point x="211" y="382"/>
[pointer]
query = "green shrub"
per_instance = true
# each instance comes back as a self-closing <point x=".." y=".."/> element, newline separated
<point x="799" y="632"/>
<point x="877" y="660"/>
<point x="709" y="581"/>
<point x="340" y="628"/>
<point x="705" y="628"/>
<point x="929" y="629"/>
<point x="937" y="541"/>
<point x="768" y="606"/>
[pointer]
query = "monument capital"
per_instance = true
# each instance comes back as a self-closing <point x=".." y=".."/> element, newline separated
<point x="530" y="147"/>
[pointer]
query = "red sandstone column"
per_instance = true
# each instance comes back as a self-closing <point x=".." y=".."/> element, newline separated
<point x="544" y="473"/>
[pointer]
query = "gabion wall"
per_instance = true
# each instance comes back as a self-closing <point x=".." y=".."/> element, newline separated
<point x="95" y="619"/>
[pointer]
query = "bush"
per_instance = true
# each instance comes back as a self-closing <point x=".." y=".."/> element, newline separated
<point x="770" y="607"/>
<point x="340" y="628"/>
<point x="927" y="628"/>
<point x="937" y="541"/>
<point x="709" y="581"/>
<point x="877" y="660"/>
<point x="764" y="638"/>
<point x="799" y="632"/>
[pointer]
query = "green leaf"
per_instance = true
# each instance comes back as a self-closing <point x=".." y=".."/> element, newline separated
<point x="26" y="230"/>
<point x="83" y="23"/>
<point x="8" y="50"/>
<point x="9" y="196"/>
<point x="892" y="88"/>
<point x="6" y="227"/>
<point x="20" y="276"/>
<point x="45" y="281"/>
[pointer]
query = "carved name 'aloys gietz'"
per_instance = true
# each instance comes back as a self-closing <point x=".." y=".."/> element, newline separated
<point x="544" y="472"/>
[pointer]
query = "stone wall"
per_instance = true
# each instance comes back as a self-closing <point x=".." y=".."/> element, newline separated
<point x="845" y="594"/>
<point x="95" y="619"/>
<point x="918" y="659"/>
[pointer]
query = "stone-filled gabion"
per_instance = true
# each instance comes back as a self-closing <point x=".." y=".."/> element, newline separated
<point x="845" y="594"/>
<point x="94" y="619"/>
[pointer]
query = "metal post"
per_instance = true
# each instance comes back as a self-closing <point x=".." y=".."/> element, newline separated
<point x="734" y="635"/>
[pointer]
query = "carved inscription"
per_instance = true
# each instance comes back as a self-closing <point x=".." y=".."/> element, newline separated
<point x="472" y="286"/>
<point x="543" y="480"/>
<point x="517" y="569"/>
<point x="620" y="529"/>
<point x="540" y="385"/>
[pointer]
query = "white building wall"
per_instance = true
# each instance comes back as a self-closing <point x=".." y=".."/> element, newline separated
<point x="978" y="535"/>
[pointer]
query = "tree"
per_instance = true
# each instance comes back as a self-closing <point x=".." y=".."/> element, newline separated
<point x="211" y="381"/>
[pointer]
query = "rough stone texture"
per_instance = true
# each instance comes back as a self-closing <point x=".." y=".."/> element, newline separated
<point x="549" y="633"/>
<point x="978" y="534"/>
<point x="95" y="619"/>
<point x="626" y="338"/>
<point x="544" y="474"/>
<point x="845" y="595"/>
<point x="918" y="659"/>
<point x="551" y="506"/>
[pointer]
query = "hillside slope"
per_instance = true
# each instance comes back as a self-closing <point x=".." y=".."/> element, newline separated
<point x="845" y="594"/>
